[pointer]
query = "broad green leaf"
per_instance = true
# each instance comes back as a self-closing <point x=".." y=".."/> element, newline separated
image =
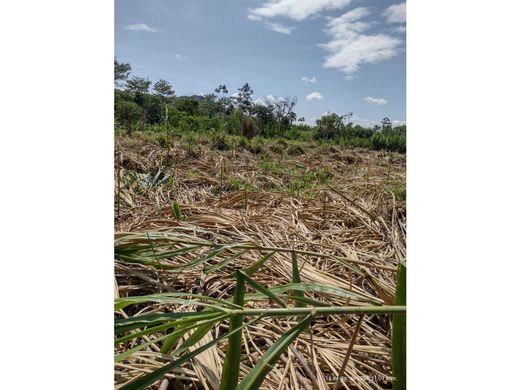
<point x="231" y="368"/>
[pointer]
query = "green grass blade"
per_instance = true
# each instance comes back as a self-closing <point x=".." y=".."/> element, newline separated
<point x="127" y="324"/>
<point x="256" y="376"/>
<point x="216" y="267"/>
<point x="121" y="303"/>
<point x="296" y="279"/>
<point x="148" y="379"/>
<point x="261" y="289"/>
<point x="319" y="288"/>
<point x="399" y="333"/>
<point x="258" y="264"/>
<point x="177" y="211"/>
<point x="207" y="325"/>
<point x="231" y="368"/>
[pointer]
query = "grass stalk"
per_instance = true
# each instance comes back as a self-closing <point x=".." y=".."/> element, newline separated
<point x="399" y="333"/>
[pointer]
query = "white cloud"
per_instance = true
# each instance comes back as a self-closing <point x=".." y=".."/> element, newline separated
<point x="356" y="120"/>
<point x="269" y="99"/>
<point x="140" y="27"/>
<point x="314" y="96"/>
<point x="308" y="80"/>
<point x="279" y="27"/>
<point x="180" y="57"/>
<point x="400" y="29"/>
<point x="350" y="47"/>
<point x="295" y="9"/>
<point x="378" y="101"/>
<point x="395" y="13"/>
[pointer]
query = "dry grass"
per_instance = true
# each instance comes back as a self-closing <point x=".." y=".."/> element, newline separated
<point x="349" y="230"/>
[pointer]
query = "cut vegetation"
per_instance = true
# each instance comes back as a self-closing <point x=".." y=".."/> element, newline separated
<point x="244" y="268"/>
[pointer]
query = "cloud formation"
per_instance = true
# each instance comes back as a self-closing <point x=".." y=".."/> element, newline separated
<point x="351" y="46"/>
<point x="268" y="100"/>
<point x="309" y="80"/>
<point x="395" y="13"/>
<point x="180" y="57"/>
<point x="295" y="9"/>
<point x="314" y="96"/>
<point x="378" y="101"/>
<point x="279" y="27"/>
<point x="140" y="27"/>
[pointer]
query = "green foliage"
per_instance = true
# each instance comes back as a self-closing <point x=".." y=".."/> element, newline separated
<point x="330" y="126"/>
<point x="245" y="98"/>
<point x="129" y="114"/>
<point x="239" y="117"/>
<point x="176" y="209"/>
<point x="121" y="71"/>
<point x="138" y="84"/>
<point x="163" y="89"/>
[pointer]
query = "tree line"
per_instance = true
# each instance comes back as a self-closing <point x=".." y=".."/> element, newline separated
<point x="140" y="105"/>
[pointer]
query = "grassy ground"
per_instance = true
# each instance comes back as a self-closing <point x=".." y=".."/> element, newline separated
<point x="342" y="209"/>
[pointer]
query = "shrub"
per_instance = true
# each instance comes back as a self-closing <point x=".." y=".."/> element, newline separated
<point x="129" y="114"/>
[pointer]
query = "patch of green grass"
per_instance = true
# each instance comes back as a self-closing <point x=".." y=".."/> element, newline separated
<point x="271" y="166"/>
<point x="235" y="184"/>
<point x="399" y="190"/>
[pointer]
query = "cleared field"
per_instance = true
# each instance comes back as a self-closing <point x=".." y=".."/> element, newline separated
<point x="189" y="216"/>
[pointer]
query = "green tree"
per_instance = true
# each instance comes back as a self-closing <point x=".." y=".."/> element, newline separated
<point x="245" y="98"/>
<point x="331" y="126"/>
<point x="138" y="84"/>
<point x="163" y="89"/>
<point x="284" y="113"/>
<point x="121" y="71"/>
<point x="129" y="114"/>
<point x="386" y="126"/>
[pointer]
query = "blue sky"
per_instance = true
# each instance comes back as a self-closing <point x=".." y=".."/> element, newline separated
<point x="338" y="55"/>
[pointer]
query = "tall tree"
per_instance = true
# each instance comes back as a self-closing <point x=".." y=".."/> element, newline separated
<point x="245" y="98"/>
<point x="224" y="101"/>
<point x="386" y="126"/>
<point x="121" y="71"/>
<point x="163" y="89"/>
<point x="138" y="84"/>
<point x="284" y="112"/>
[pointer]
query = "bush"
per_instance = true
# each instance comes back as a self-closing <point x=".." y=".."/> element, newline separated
<point x="330" y="126"/>
<point x="129" y="114"/>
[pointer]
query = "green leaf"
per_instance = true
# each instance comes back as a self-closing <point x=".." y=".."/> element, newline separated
<point x="319" y="288"/>
<point x="262" y="289"/>
<point x="399" y="332"/>
<point x="127" y="324"/>
<point x="148" y="379"/>
<point x="177" y="211"/>
<point x="256" y="376"/>
<point x="204" y="326"/>
<point x="296" y="279"/>
<point x="231" y="368"/>
<point x="121" y="303"/>
<point x="258" y="264"/>
<point x="215" y="267"/>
